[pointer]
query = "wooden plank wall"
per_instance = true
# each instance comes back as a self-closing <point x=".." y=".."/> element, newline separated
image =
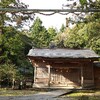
<point x="59" y="70"/>
<point x="97" y="77"/>
<point x="88" y="74"/>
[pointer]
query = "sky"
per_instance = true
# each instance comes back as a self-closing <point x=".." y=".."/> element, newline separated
<point x="48" y="21"/>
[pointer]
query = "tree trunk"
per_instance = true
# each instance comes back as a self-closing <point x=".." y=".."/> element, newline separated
<point x="13" y="83"/>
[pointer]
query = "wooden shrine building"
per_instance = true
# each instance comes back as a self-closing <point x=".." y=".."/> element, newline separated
<point x="65" y="68"/>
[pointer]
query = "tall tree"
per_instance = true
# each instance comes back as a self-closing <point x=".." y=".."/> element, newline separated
<point x="52" y="33"/>
<point x="85" y="35"/>
<point x="41" y="37"/>
<point x="13" y="44"/>
<point x="15" y="47"/>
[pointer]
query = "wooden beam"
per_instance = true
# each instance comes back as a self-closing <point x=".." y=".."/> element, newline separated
<point x="49" y="75"/>
<point x="35" y="69"/>
<point x="82" y="77"/>
<point x="93" y="73"/>
<point x="67" y="59"/>
<point x="56" y="60"/>
<point x="47" y="10"/>
<point x="67" y="67"/>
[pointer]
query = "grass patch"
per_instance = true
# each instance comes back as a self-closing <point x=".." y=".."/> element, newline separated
<point x="9" y="92"/>
<point x="31" y="91"/>
<point x="81" y="93"/>
<point x="84" y="95"/>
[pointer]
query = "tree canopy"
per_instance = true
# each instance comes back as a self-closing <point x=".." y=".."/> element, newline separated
<point x="40" y="35"/>
<point x="84" y="35"/>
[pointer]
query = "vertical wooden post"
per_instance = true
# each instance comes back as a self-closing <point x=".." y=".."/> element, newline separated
<point x="34" y="75"/>
<point x="82" y="77"/>
<point x="49" y="74"/>
<point x="93" y="73"/>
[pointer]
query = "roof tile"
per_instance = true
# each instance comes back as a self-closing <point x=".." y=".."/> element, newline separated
<point x="63" y="53"/>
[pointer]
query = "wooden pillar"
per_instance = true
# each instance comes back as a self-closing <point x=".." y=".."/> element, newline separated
<point x="49" y="75"/>
<point x="34" y="75"/>
<point x="82" y="77"/>
<point x="92" y="73"/>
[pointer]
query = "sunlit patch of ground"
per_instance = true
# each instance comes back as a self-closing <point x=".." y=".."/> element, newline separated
<point x="84" y="95"/>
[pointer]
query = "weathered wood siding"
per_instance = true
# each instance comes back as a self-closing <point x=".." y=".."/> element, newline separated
<point x="97" y="77"/>
<point x="65" y="74"/>
<point x="71" y="73"/>
<point x="65" y="77"/>
<point x="41" y="76"/>
<point x="88" y="74"/>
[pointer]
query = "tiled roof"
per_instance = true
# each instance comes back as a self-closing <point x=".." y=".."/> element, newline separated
<point x="62" y="53"/>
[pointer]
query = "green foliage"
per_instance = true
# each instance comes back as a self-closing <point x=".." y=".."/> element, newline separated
<point x="52" y="33"/>
<point x="10" y="92"/>
<point x="95" y="44"/>
<point x="94" y="4"/>
<point x="6" y="3"/>
<point x="90" y="4"/>
<point x="83" y="3"/>
<point x="74" y="41"/>
<point x="62" y="28"/>
<point x="11" y="45"/>
<point x="83" y="35"/>
<point x="41" y="37"/>
<point x="8" y="72"/>
<point x="14" y="47"/>
<point x="77" y="37"/>
<point x="59" y="39"/>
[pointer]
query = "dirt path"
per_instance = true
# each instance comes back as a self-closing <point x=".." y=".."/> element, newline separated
<point x="53" y="95"/>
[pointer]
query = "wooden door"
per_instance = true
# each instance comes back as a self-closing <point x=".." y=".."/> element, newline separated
<point x="65" y="76"/>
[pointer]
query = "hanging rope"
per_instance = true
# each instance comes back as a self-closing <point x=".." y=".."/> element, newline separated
<point x="63" y="13"/>
<point x="47" y="14"/>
